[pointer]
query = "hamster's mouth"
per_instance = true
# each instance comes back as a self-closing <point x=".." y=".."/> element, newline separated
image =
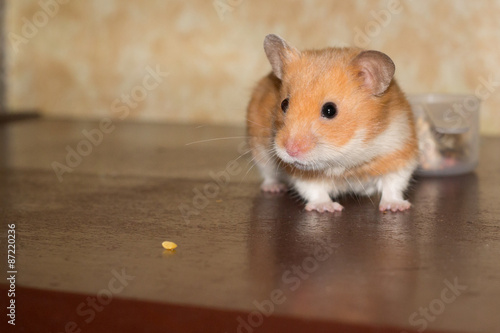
<point x="301" y="166"/>
<point x="309" y="166"/>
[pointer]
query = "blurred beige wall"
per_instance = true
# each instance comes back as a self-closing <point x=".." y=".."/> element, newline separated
<point x="99" y="58"/>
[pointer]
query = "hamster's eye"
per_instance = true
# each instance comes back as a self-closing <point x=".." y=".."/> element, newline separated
<point x="329" y="110"/>
<point x="284" y="105"/>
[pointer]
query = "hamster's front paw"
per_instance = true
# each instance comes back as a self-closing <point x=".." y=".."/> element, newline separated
<point x="273" y="187"/>
<point x="394" y="205"/>
<point x="322" y="207"/>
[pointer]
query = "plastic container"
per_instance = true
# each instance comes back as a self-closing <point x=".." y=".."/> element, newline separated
<point x="448" y="133"/>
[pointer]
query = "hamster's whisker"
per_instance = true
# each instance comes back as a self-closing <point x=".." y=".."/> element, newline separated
<point x="253" y="122"/>
<point x="248" y="151"/>
<point x="354" y="193"/>
<point x="271" y="157"/>
<point x="335" y="187"/>
<point x="254" y="162"/>
<point x="364" y="189"/>
<point x="217" y="139"/>
<point x="274" y="153"/>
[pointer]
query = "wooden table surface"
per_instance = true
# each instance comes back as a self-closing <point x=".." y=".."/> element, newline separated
<point x="89" y="255"/>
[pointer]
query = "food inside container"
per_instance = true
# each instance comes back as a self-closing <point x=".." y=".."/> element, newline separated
<point x="448" y="133"/>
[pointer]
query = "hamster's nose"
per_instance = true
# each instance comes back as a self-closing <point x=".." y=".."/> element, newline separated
<point x="293" y="151"/>
<point x="294" y="148"/>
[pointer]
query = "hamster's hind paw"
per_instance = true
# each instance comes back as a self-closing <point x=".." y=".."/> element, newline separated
<point x="322" y="207"/>
<point x="273" y="187"/>
<point x="394" y="206"/>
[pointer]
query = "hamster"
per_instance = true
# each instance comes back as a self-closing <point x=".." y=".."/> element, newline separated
<point x="330" y="122"/>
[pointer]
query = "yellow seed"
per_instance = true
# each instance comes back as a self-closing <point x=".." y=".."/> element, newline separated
<point x="169" y="245"/>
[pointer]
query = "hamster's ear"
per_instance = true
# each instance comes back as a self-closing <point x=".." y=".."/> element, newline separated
<point x="279" y="53"/>
<point x="376" y="69"/>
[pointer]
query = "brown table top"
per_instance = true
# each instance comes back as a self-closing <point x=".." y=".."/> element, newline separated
<point x="89" y="255"/>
